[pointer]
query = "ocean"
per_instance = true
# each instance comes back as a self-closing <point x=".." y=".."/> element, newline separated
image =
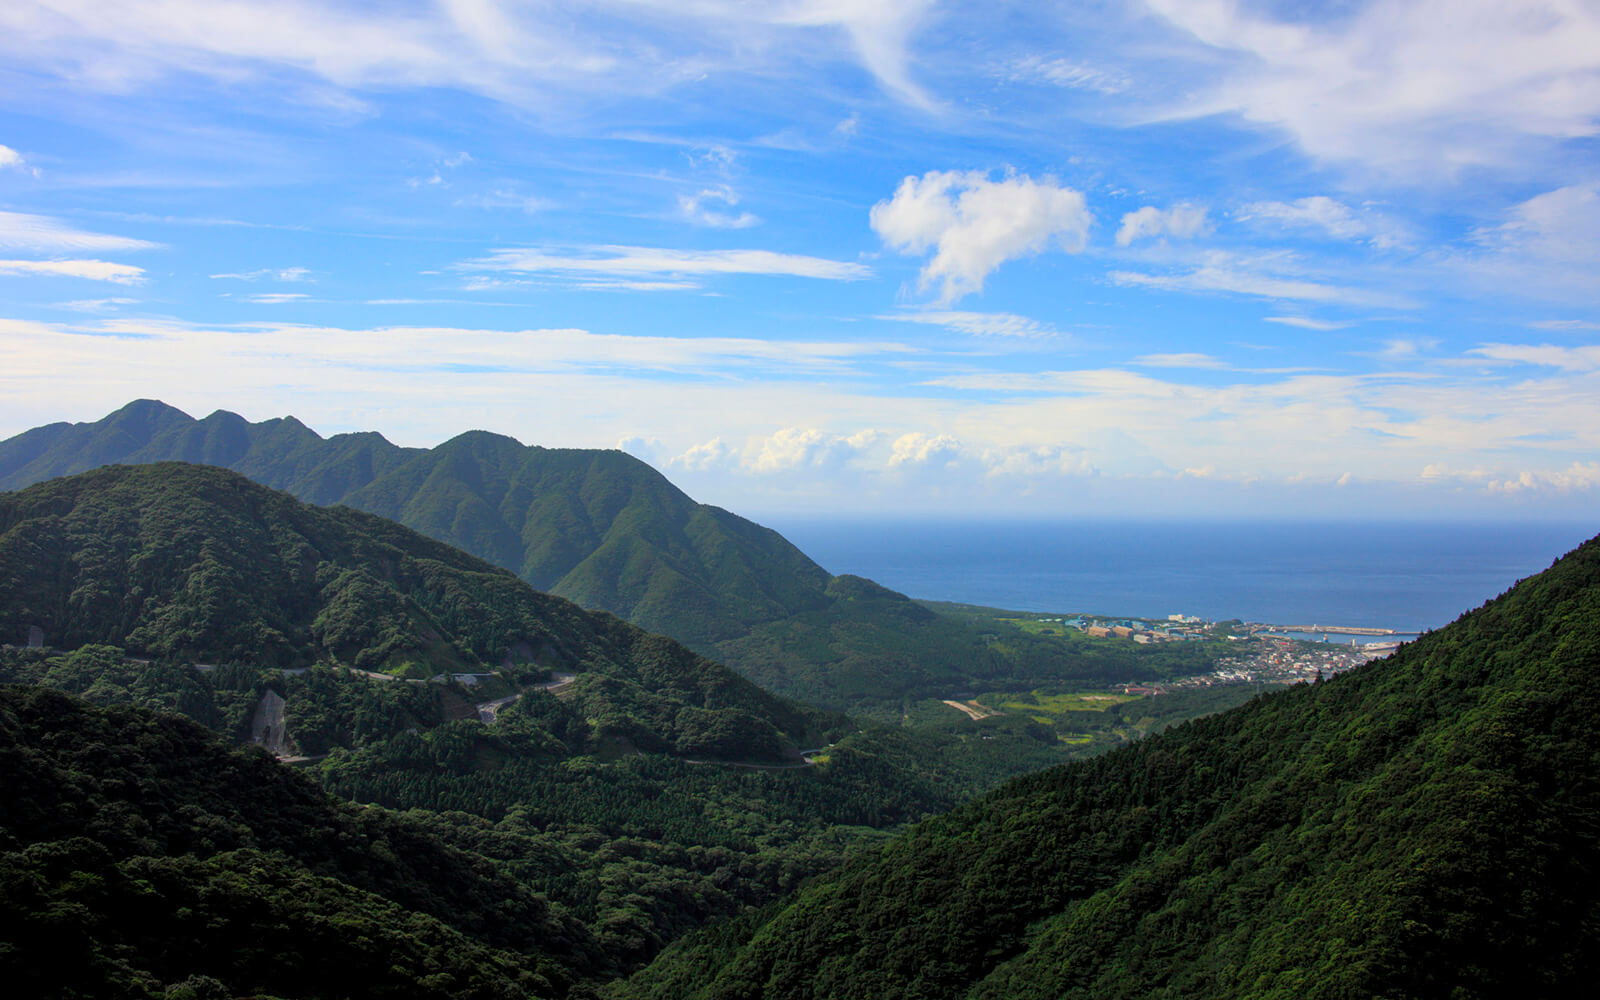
<point x="1404" y="576"/>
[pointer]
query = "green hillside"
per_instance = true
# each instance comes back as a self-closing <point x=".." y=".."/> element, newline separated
<point x="1424" y="826"/>
<point x="607" y="531"/>
<point x="637" y="787"/>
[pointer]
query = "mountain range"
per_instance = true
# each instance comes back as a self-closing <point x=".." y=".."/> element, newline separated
<point x="607" y="531"/>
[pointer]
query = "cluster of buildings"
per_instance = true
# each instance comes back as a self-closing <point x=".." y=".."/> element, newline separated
<point x="1176" y="628"/>
<point x="1280" y="661"/>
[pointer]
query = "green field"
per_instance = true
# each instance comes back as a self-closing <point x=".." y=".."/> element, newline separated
<point x="1050" y="709"/>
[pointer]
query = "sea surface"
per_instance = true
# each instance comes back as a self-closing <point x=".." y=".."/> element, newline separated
<point x="1405" y="576"/>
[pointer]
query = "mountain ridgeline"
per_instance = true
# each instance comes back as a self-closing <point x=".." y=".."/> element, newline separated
<point x="600" y="528"/>
<point x="607" y="531"/>
<point x="1423" y="826"/>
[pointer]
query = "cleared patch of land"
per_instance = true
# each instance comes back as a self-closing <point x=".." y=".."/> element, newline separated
<point x="973" y="710"/>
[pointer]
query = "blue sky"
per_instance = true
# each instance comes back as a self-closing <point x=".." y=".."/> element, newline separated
<point x="1200" y="258"/>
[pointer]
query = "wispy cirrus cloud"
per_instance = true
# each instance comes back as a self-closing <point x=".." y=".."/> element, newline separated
<point x="289" y="274"/>
<point x="1306" y="323"/>
<point x="42" y="234"/>
<point x="1414" y="88"/>
<point x="978" y="324"/>
<point x="645" y="264"/>
<point x="92" y="270"/>
<point x="1266" y="276"/>
<point x="1324" y="215"/>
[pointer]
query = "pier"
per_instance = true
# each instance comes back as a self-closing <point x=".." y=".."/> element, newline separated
<point x="1337" y="629"/>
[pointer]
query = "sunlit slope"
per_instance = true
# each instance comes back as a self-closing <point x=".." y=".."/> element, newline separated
<point x="1424" y="826"/>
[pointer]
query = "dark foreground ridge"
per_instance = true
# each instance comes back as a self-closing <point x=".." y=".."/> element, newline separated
<point x="1425" y="826"/>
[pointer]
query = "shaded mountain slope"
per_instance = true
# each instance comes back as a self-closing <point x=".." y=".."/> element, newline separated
<point x="1424" y="826"/>
<point x="137" y="852"/>
<point x="191" y="562"/>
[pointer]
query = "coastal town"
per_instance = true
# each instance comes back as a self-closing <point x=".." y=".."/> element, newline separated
<point x="1268" y="654"/>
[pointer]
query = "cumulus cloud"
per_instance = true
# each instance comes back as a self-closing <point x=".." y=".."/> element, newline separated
<point x="42" y="234"/>
<point x="1183" y="221"/>
<point x="1578" y="476"/>
<point x="978" y="324"/>
<point x="974" y="224"/>
<point x="923" y="449"/>
<point x="806" y="448"/>
<point x="10" y="159"/>
<point x="701" y="457"/>
<point x="93" y="270"/>
<point x="696" y="208"/>
<point x="636" y="263"/>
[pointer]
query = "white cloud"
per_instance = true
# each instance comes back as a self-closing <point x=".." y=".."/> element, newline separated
<point x="1067" y="73"/>
<point x="275" y="298"/>
<point x="1405" y="348"/>
<point x="694" y="208"/>
<point x="1572" y="325"/>
<point x="94" y="270"/>
<point x="634" y="263"/>
<point x="1414" y="87"/>
<point x="701" y="457"/>
<point x="290" y="274"/>
<point x="1057" y="434"/>
<point x="41" y="234"/>
<point x="1322" y="213"/>
<point x="1560" y="226"/>
<point x="1183" y="221"/>
<point x="924" y="450"/>
<point x="505" y="197"/>
<point x="525" y="54"/>
<point x="10" y="159"/>
<point x="1567" y="359"/>
<point x="1547" y="248"/>
<point x="1579" y="476"/>
<point x="1188" y="360"/>
<point x="978" y="324"/>
<point x="1305" y="323"/>
<point x="974" y="225"/>
<point x="1264" y="276"/>
<point x="806" y="448"/>
<point x="98" y="305"/>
